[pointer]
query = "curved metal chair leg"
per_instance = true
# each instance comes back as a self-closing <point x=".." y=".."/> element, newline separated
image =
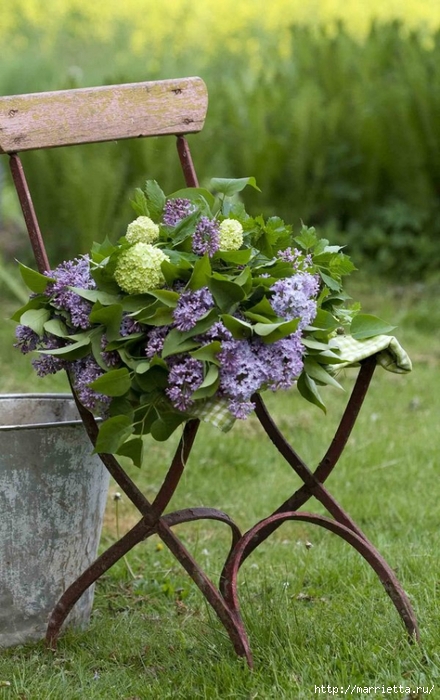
<point x="367" y="551"/>
<point x="104" y="562"/>
<point x="231" y="620"/>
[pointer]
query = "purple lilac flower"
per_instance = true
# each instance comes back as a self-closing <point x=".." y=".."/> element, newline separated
<point x="176" y="210"/>
<point x="129" y="326"/>
<point x="206" y="238"/>
<point x="155" y="341"/>
<point x="186" y="375"/>
<point x="73" y="273"/>
<point x="110" y="357"/>
<point x="282" y="361"/>
<point x="241" y="409"/>
<point x="49" y="364"/>
<point x="241" y="372"/>
<point x="293" y="298"/>
<point x="293" y="256"/>
<point x="27" y="339"/>
<point x="191" y="307"/>
<point x="217" y="331"/>
<point x="85" y="371"/>
<point x="248" y="366"/>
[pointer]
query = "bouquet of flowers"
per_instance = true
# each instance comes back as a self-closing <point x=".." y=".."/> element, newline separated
<point x="198" y="307"/>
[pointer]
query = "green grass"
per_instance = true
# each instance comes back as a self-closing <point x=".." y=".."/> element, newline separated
<point x="315" y="615"/>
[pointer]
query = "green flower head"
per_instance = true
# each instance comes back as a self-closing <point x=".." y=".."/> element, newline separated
<point x="138" y="268"/>
<point x="142" y="230"/>
<point x="231" y="234"/>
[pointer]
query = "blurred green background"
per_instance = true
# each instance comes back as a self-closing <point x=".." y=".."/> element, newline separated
<point x="333" y="106"/>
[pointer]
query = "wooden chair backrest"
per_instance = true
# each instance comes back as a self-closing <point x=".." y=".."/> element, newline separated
<point x="92" y="115"/>
<point x="89" y="115"/>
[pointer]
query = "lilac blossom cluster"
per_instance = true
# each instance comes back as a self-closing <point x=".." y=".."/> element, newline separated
<point x="248" y="366"/>
<point x="191" y="307"/>
<point x="295" y="257"/>
<point x="82" y="373"/>
<point x="185" y="376"/>
<point x="29" y="341"/>
<point x="293" y="298"/>
<point x="176" y="210"/>
<point x="206" y="237"/>
<point x="73" y="273"/>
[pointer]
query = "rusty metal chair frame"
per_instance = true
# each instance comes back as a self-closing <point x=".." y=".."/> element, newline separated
<point x="53" y="119"/>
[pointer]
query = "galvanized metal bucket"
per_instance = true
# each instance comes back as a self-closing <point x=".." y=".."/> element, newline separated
<point x="52" y="500"/>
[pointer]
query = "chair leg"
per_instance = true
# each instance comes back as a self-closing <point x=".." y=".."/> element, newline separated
<point x="365" y="548"/>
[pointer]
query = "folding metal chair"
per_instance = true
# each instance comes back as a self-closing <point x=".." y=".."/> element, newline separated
<point x="163" y="108"/>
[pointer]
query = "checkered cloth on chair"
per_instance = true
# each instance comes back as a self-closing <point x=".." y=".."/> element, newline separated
<point x="391" y="355"/>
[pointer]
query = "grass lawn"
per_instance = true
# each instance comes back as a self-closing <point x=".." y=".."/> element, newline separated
<point x="316" y="614"/>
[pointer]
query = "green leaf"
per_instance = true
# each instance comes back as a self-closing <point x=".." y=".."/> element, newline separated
<point x="74" y="351"/>
<point x="35" y="319"/>
<point x="135" y="302"/>
<point x="35" y="281"/>
<point x="121" y="405"/>
<point x="235" y="257"/>
<point x="367" y="326"/>
<point x="239" y="329"/>
<point x="313" y="369"/>
<point x="155" y="199"/>
<point x="172" y="271"/>
<point x="309" y="391"/>
<point x="307" y="238"/>
<point x="208" y="353"/>
<point x="263" y="308"/>
<point x="113" y="432"/>
<point x="108" y="316"/>
<point x="195" y="194"/>
<point x="314" y="344"/>
<point x="94" y="295"/>
<point x="38" y="302"/>
<point x="331" y="283"/>
<point x="139" y="203"/>
<point x="154" y="378"/>
<point x="177" y="342"/>
<point x="102" y="250"/>
<point x="161" y="316"/>
<point x="166" y="424"/>
<point x="325" y="321"/>
<point x="229" y="187"/>
<point x="56" y="327"/>
<point x="144" y="418"/>
<point x="201" y="273"/>
<point x="142" y="367"/>
<point x="167" y="297"/>
<point x="209" y="385"/>
<point x="225" y="292"/>
<point x="116" y="382"/>
<point x="270" y="332"/>
<point x="134" y="449"/>
<point x="185" y="228"/>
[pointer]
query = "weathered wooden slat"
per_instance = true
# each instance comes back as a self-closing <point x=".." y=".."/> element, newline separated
<point x="87" y="115"/>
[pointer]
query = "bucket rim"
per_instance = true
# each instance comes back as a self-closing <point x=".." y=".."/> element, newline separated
<point x="40" y="397"/>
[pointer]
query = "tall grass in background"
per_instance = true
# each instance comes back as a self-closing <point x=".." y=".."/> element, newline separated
<point x="339" y="122"/>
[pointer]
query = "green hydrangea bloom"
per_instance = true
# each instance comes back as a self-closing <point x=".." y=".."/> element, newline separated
<point x="138" y="268"/>
<point x="142" y="230"/>
<point x="231" y="234"/>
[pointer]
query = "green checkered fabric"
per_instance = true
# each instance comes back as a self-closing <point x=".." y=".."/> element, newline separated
<point x="215" y="411"/>
<point x="390" y="355"/>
